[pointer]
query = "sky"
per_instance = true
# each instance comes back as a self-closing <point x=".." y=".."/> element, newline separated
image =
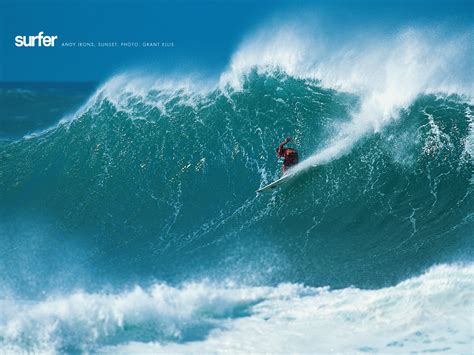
<point x="204" y="34"/>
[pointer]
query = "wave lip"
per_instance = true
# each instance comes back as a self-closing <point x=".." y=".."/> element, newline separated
<point x="431" y="312"/>
<point x="388" y="75"/>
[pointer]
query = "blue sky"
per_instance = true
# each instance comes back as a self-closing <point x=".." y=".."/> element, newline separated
<point x="204" y="33"/>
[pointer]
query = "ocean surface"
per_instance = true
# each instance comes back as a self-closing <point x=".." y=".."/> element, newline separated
<point x="130" y="223"/>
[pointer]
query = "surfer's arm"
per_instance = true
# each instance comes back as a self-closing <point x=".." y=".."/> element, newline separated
<point x="281" y="147"/>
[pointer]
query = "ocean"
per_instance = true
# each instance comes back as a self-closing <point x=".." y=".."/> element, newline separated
<point x="130" y="222"/>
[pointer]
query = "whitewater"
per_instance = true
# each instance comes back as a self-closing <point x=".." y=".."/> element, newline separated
<point x="430" y="313"/>
<point x="132" y="223"/>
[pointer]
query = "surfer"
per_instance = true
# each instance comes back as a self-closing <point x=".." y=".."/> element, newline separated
<point x="289" y="155"/>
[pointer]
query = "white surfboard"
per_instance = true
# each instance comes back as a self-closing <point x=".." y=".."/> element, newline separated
<point x="275" y="183"/>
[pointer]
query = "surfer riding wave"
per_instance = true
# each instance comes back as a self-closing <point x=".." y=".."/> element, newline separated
<point x="289" y="155"/>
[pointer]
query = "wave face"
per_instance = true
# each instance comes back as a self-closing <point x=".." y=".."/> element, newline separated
<point x="152" y="183"/>
<point x="167" y="181"/>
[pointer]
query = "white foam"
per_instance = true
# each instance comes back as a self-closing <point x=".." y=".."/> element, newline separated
<point x="125" y="89"/>
<point x="469" y="144"/>
<point x="432" y="311"/>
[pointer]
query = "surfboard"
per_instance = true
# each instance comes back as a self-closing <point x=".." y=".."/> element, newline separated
<point x="275" y="183"/>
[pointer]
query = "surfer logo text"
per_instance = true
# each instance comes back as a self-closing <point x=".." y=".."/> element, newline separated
<point x="39" y="40"/>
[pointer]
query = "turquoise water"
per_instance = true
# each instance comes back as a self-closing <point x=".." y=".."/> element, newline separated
<point x="134" y="221"/>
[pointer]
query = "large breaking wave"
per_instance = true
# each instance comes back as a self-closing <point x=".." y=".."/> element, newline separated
<point x="154" y="179"/>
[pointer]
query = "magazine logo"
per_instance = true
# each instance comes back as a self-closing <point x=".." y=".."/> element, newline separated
<point x="39" y="40"/>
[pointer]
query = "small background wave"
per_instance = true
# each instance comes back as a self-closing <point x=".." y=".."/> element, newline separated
<point x="26" y="108"/>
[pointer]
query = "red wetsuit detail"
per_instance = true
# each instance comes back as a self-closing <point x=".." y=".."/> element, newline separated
<point x="290" y="156"/>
